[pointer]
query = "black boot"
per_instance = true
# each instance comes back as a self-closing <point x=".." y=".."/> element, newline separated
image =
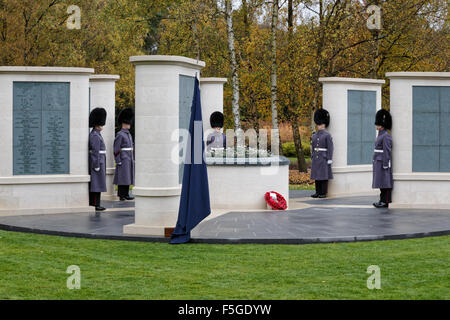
<point x="100" y="208"/>
<point x="381" y="205"/>
<point x="123" y="193"/>
<point x="318" y="190"/>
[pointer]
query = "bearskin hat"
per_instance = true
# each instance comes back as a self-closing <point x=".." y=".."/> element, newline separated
<point x="322" y="116"/>
<point x="384" y="119"/>
<point x="125" y="116"/>
<point x="216" y="120"/>
<point x="97" y="117"/>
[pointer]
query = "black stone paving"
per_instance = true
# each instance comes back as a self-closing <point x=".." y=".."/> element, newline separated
<point x="311" y="225"/>
<point x="294" y="194"/>
<point x="104" y="223"/>
<point x="354" y="201"/>
<point x="117" y="204"/>
<point x="326" y="224"/>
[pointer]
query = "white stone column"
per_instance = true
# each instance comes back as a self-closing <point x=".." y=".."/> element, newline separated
<point x="413" y="189"/>
<point x="157" y="187"/>
<point x="348" y="179"/>
<point x="212" y="98"/>
<point x="103" y="95"/>
<point x="45" y="193"/>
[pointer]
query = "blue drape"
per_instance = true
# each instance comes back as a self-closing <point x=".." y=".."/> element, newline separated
<point x="194" y="201"/>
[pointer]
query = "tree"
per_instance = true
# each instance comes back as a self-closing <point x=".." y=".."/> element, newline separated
<point x="274" y="70"/>
<point x="234" y="65"/>
<point x="273" y="56"/>
<point x="293" y="108"/>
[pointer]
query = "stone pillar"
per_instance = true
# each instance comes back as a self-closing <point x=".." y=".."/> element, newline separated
<point x="212" y="98"/>
<point x="352" y="104"/>
<point x="45" y="132"/>
<point x="160" y="91"/>
<point x="103" y="95"/>
<point x="420" y="108"/>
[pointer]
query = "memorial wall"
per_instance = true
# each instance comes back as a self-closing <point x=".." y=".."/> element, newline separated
<point x="45" y="116"/>
<point x="420" y="108"/>
<point x="352" y="103"/>
<point x="164" y="87"/>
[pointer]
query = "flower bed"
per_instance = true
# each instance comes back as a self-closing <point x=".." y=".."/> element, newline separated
<point x="296" y="177"/>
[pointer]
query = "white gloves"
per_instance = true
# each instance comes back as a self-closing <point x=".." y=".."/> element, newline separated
<point x="330" y="161"/>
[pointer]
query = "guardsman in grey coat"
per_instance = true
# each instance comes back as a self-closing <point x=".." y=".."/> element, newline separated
<point x="217" y="139"/>
<point x="97" y="158"/>
<point x="382" y="159"/>
<point x="124" y="155"/>
<point x="321" y="154"/>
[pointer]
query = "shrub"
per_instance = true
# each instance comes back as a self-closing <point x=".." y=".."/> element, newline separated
<point x="306" y="145"/>
<point x="289" y="149"/>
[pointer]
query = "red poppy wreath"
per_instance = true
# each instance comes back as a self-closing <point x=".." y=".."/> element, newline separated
<point x="275" y="200"/>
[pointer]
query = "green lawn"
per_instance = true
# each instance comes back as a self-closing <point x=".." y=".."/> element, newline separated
<point x="301" y="187"/>
<point x="33" y="267"/>
<point x="294" y="159"/>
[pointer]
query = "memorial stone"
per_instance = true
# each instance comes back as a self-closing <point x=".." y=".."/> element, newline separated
<point x="41" y="128"/>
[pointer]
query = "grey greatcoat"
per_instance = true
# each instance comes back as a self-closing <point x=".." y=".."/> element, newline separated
<point x="97" y="161"/>
<point x="382" y="162"/>
<point x="322" y="156"/>
<point x="216" y="139"/>
<point x="124" y="156"/>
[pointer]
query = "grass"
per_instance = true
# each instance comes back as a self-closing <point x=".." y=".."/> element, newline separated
<point x="34" y="267"/>
<point x="116" y="188"/>
<point x="301" y="187"/>
<point x="294" y="159"/>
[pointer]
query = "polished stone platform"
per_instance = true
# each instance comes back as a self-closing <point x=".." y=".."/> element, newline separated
<point x="345" y="201"/>
<point x="294" y="194"/>
<point x="308" y="221"/>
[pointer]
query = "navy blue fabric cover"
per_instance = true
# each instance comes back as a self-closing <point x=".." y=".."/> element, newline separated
<point x="194" y="202"/>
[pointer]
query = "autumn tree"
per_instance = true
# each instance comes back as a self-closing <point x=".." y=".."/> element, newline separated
<point x="292" y="89"/>
<point x="270" y="81"/>
<point x="228" y="13"/>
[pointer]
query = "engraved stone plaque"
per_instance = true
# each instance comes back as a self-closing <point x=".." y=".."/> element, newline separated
<point x="186" y="96"/>
<point x="431" y="127"/>
<point x="361" y="133"/>
<point x="41" y="128"/>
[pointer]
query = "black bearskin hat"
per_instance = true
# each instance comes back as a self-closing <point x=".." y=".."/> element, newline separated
<point x="125" y="116"/>
<point x="97" y="117"/>
<point x="216" y="120"/>
<point x="322" y="116"/>
<point x="384" y="119"/>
